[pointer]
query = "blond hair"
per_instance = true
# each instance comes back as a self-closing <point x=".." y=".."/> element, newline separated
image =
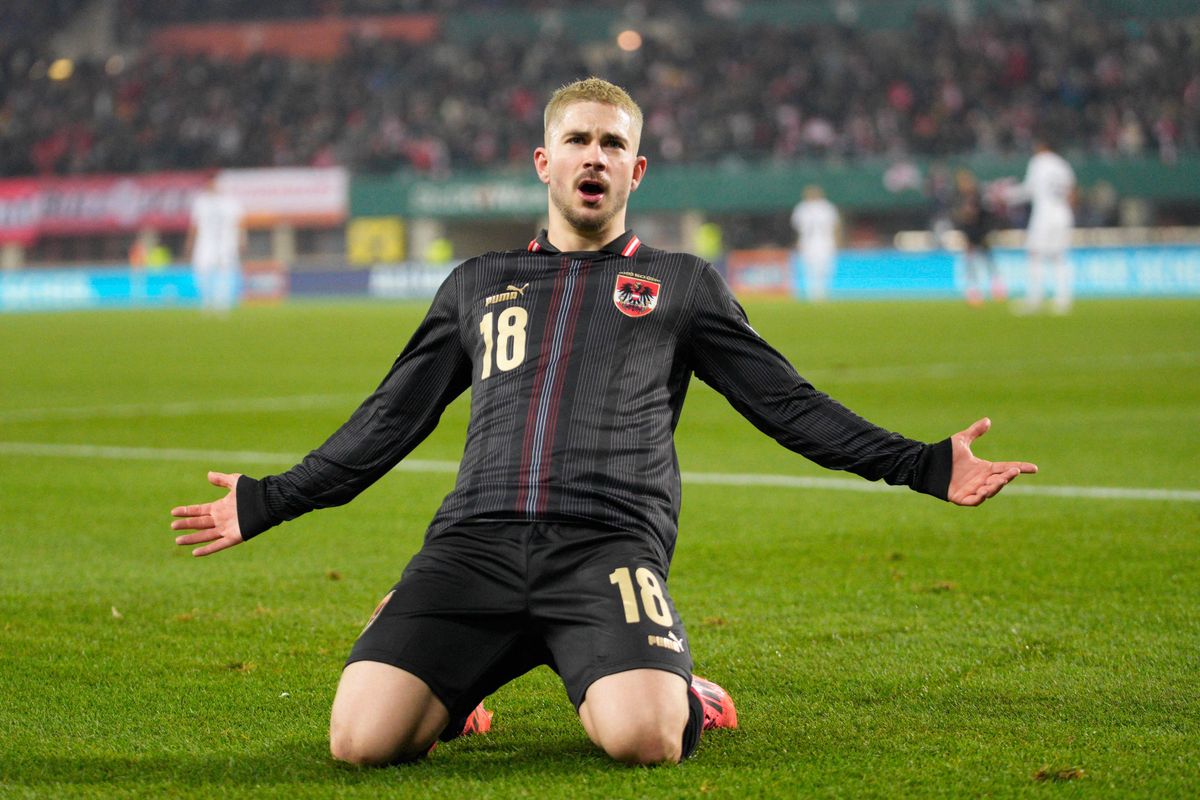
<point x="595" y="90"/>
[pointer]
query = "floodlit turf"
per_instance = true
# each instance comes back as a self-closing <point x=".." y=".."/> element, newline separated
<point x="877" y="644"/>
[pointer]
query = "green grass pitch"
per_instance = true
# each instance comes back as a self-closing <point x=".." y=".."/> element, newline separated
<point x="878" y="644"/>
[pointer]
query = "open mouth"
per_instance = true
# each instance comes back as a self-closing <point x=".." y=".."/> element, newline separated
<point x="591" y="191"/>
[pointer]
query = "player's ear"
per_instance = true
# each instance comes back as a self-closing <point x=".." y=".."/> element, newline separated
<point x="541" y="163"/>
<point x="639" y="170"/>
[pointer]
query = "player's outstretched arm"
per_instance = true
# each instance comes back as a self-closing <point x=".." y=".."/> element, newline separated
<point x="973" y="480"/>
<point x="215" y="522"/>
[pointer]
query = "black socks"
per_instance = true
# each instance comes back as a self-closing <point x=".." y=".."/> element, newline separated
<point x="695" y="723"/>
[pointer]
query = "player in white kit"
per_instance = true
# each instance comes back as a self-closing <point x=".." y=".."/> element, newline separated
<point x="816" y="221"/>
<point x="215" y="241"/>
<point x="1049" y="187"/>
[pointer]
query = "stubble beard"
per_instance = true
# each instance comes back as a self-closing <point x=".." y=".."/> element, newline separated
<point x="587" y="223"/>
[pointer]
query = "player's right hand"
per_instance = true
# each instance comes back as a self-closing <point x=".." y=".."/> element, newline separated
<point x="215" y="522"/>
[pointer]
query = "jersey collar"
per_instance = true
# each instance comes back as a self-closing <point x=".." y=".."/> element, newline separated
<point x="624" y="245"/>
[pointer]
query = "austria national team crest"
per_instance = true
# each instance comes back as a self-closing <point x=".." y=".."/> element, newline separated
<point x="635" y="295"/>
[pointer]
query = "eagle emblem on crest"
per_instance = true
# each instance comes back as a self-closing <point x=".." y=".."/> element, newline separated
<point x="636" y="295"/>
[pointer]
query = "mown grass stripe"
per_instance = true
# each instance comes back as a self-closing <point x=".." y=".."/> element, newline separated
<point x="710" y="478"/>
<point x="865" y="374"/>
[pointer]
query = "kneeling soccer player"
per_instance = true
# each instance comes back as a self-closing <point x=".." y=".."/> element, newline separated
<point x="555" y="544"/>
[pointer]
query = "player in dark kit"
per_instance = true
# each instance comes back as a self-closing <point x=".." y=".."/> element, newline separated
<point x="554" y="546"/>
<point x="976" y="221"/>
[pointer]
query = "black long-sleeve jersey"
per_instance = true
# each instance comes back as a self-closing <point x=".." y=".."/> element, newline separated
<point x="578" y="364"/>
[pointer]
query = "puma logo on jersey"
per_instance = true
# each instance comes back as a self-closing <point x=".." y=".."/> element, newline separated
<point x="670" y="642"/>
<point x="510" y="293"/>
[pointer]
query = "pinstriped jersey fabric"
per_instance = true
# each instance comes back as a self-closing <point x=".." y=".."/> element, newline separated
<point x="578" y="364"/>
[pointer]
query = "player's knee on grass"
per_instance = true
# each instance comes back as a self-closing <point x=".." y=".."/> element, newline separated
<point x="363" y="749"/>
<point x="383" y="715"/>
<point x="637" y="717"/>
<point x="644" y="745"/>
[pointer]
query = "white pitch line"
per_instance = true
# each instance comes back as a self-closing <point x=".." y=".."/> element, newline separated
<point x="855" y="485"/>
<point x="234" y="457"/>
<point x="183" y="454"/>
<point x="181" y="408"/>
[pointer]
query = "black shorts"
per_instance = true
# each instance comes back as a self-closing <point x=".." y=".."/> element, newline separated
<point x="485" y="602"/>
<point x="977" y="236"/>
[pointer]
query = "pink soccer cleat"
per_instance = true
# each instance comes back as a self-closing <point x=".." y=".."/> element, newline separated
<point x="718" y="705"/>
<point x="478" y="721"/>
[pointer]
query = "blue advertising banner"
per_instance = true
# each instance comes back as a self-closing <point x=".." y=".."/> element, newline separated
<point x="1150" y="271"/>
<point x="400" y="281"/>
<point x="329" y="283"/>
<point x="407" y="281"/>
<point x="890" y="274"/>
<point x="47" y="290"/>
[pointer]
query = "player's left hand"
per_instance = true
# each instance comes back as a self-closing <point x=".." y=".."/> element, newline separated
<point x="973" y="480"/>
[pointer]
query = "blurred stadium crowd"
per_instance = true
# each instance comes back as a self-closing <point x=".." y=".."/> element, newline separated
<point x="712" y="91"/>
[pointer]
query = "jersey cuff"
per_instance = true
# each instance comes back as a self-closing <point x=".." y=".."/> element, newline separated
<point x="933" y="470"/>
<point x="253" y="515"/>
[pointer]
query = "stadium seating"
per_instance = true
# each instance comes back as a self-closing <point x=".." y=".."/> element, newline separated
<point x="941" y="85"/>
